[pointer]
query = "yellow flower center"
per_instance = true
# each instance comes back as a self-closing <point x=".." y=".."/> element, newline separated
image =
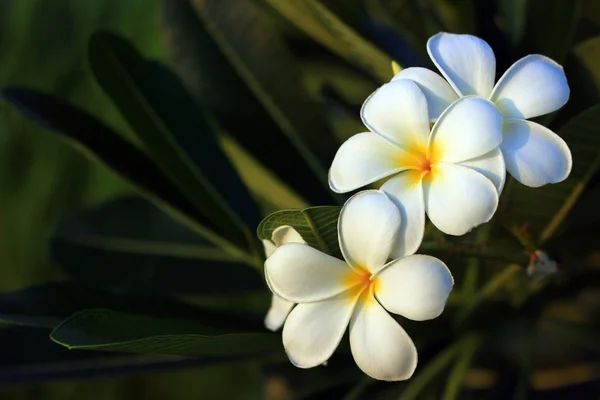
<point x="362" y="284"/>
<point x="419" y="161"/>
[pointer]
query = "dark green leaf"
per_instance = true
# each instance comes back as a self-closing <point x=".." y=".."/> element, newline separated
<point x="42" y="360"/>
<point x="549" y="27"/>
<point x="219" y="89"/>
<point x="131" y="245"/>
<point x="100" y="142"/>
<point x="316" y="225"/>
<point x="317" y="21"/>
<point x="544" y="209"/>
<point x="175" y="133"/>
<point x="262" y="60"/>
<point x="113" y="331"/>
<point x="46" y="305"/>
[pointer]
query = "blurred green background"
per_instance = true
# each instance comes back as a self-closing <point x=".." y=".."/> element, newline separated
<point x="43" y="45"/>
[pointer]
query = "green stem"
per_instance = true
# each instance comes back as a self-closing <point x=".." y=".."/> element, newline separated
<point x="429" y="372"/>
<point x="358" y="389"/>
<point x="490" y="288"/>
<point x="524" y="382"/>
<point x="473" y="250"/>
<point x="467" y="350"/>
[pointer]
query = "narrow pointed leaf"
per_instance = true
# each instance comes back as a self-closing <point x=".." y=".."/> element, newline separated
<point x="259" y="55"/>
<point x="550" y="27"/>
<point x="174" y="132"/>
<point x="218" y="87"/>
<point x="131" y="245"/>
<point x="45" y="306"/>
<point x="113" y="331"/>
<point x="100" y="143"/>
<point x="545" y="208"/>
<point x="314" y="19"/>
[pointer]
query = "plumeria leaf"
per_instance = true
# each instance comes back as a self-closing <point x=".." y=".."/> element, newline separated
<point x="316" y="225"/>
<point x="42" y="360"/>
<point x="101" y="143"/>
<point x="129" y="244"/>
<point x="550" y="34"/>
<point x="46" y="305"/>
<point x="584" y="80"/>
<point x="314" y="19"/>
<point x="174" y="132"/>
<point x="259" y="56"/>
<point x="114" y="331"/>
<point x="216" y="85"/>
<point x="544" y="209"/>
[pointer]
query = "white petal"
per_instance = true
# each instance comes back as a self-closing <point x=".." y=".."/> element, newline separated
<point x="469" y="128"/>
<point x="277" y="313"/>
<point x="381" y="348"/>
<point x="368" y="228"/>
<point x="397" y="111"/>
<point x="436" y="89"/>
<point x="466" y="61"/>
<point x="534" y="155"/>
<point x="491" y="165"/>
<point x="269" y="247"/>
<point x="415" y="287"/>
<point x="535" y="85"/>
<point x="313" y="331"/>
<point x="457" y="198"/>
<point x="406" y="191"/>
<point x="286" y="234"/>
<point x="297" y="272"/>
<point x="363" y="159"/>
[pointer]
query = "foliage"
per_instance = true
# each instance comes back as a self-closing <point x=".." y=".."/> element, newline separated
<point x="146" y="272"/>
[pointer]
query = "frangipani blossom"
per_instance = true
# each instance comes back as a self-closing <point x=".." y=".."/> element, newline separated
<point x="280" y="308"/>
<point x="333" y="294"/>
<point x="534" y="85"/>
<point x="454" y="172"/>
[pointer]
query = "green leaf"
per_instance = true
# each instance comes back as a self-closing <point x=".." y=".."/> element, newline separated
<point x="259" y="55"/>
<point x="114" y="331"/>
<point x="101" y="143"/>
<point x="316" y="225"/>
<point x="131" y="245"/>
<point x="174" y="132"/>
<point x="549" y="27"/>
<point x="544" y="209"/>
<point x="217" y="86"/>
<point x="318" y="22"/>
<point x="467" y="350"/>
<point x="46" y="305"/>
<point x="513" y="14"/>
<point x="430" y="371"/>
<point x="588" y="54"/>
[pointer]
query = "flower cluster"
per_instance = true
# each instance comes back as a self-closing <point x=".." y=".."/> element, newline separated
<point x="444" y="146"/>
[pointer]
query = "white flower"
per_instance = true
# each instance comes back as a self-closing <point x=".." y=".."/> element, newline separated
<point x="280" y="308"/>
<point x="333" y="294"/>
<point x="533" y="86"/>
<point x="454" y="174"/>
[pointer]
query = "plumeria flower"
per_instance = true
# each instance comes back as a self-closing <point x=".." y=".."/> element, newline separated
<point x="280" y="308"/>
<point x="453" y="172"/>
<point x="533" y="86"/>
<point x="333" y="294"/>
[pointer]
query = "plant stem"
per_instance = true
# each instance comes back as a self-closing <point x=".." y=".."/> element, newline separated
<point x="467" y="350"/>
<point x="473" y="250"/>
<point x="430" y="371"/>
<point x="490" y="287"/>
